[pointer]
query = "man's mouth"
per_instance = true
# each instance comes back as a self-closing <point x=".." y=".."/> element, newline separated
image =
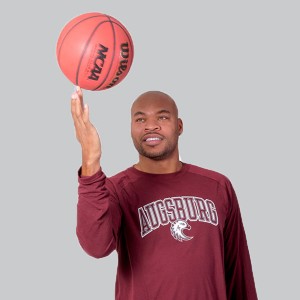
<point x="153" y="139"/>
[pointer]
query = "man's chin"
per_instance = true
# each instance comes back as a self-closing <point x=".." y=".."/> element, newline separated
<point x="154" y="156"/>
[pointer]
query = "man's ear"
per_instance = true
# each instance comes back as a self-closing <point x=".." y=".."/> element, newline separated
<point x="180" y="126"/>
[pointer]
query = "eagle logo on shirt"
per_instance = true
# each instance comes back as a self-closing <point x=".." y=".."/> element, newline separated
<point x="177" y="230"/>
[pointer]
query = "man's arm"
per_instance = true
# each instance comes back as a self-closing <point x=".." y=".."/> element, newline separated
<point x="86" y="134"/>
<point x="98" y="215"/>
<point x="96" y="229"/>
<point x="238" y="269"/>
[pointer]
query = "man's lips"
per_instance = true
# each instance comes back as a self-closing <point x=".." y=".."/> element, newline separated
<point x="148" y="137"/>
<point x="152" y="139"/>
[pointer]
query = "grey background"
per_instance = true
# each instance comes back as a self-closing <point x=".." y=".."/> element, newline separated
<point x="233" y="68"/>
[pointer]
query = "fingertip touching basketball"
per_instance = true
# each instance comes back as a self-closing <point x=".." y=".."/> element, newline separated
<point x="95" y="51"/>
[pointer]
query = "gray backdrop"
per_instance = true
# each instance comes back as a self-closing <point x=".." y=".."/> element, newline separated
<point x="233" y="68"/>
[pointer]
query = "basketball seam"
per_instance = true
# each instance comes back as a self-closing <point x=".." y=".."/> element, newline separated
<point x="62" y="42"/>
<point x="113" y="55"/>
<point x="130" y="42"/>
<point x="85" y="48"/>
<point x="115" y="44"/>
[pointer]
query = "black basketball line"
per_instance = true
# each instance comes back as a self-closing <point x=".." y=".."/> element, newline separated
<point x="129" y="40"/>
<point x="85" y="48"/>
<point x="113" y="55"/>
<point x="62" y="42"/>
<point x="127" y="34"/>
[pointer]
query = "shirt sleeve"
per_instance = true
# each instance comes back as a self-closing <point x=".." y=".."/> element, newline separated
<point x="238" y="269"/>
<point x="98" y="215"/>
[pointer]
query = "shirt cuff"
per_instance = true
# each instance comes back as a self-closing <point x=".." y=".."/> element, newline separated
<point x="90" y="179"/>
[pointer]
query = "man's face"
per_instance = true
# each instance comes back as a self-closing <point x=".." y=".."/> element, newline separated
<point x="155" y="126"/>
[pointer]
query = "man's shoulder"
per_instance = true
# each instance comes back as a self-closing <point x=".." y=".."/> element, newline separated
<point x="209" y="173"/>
<point x="119" y="177"/>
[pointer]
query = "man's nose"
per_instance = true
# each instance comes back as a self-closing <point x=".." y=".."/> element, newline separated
<point x="152" y="125"/>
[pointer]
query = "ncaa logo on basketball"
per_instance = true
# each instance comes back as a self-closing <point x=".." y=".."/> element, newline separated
<point x="98" y="62"/>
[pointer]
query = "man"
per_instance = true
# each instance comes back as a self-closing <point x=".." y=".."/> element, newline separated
<point x="176" y="227"/>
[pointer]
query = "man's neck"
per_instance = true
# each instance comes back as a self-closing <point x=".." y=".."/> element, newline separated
<point x="159" y="166"/>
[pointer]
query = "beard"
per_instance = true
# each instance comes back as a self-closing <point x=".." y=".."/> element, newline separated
<point x="154" y="154"/>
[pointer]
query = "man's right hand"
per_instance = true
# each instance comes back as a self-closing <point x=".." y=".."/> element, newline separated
<point x="86" y="134"/>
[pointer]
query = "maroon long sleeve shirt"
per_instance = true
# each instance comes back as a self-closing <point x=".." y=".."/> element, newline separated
<point x="178" y="236"/>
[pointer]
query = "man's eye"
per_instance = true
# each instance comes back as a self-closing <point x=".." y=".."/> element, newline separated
<point x="140" y="120"/>
<point x="163" y="118"/>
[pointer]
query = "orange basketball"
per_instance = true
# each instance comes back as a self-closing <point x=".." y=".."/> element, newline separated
<point x="95" y="51"/>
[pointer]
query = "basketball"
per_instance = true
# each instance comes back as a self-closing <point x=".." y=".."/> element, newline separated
<point x="94" y="51"/>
